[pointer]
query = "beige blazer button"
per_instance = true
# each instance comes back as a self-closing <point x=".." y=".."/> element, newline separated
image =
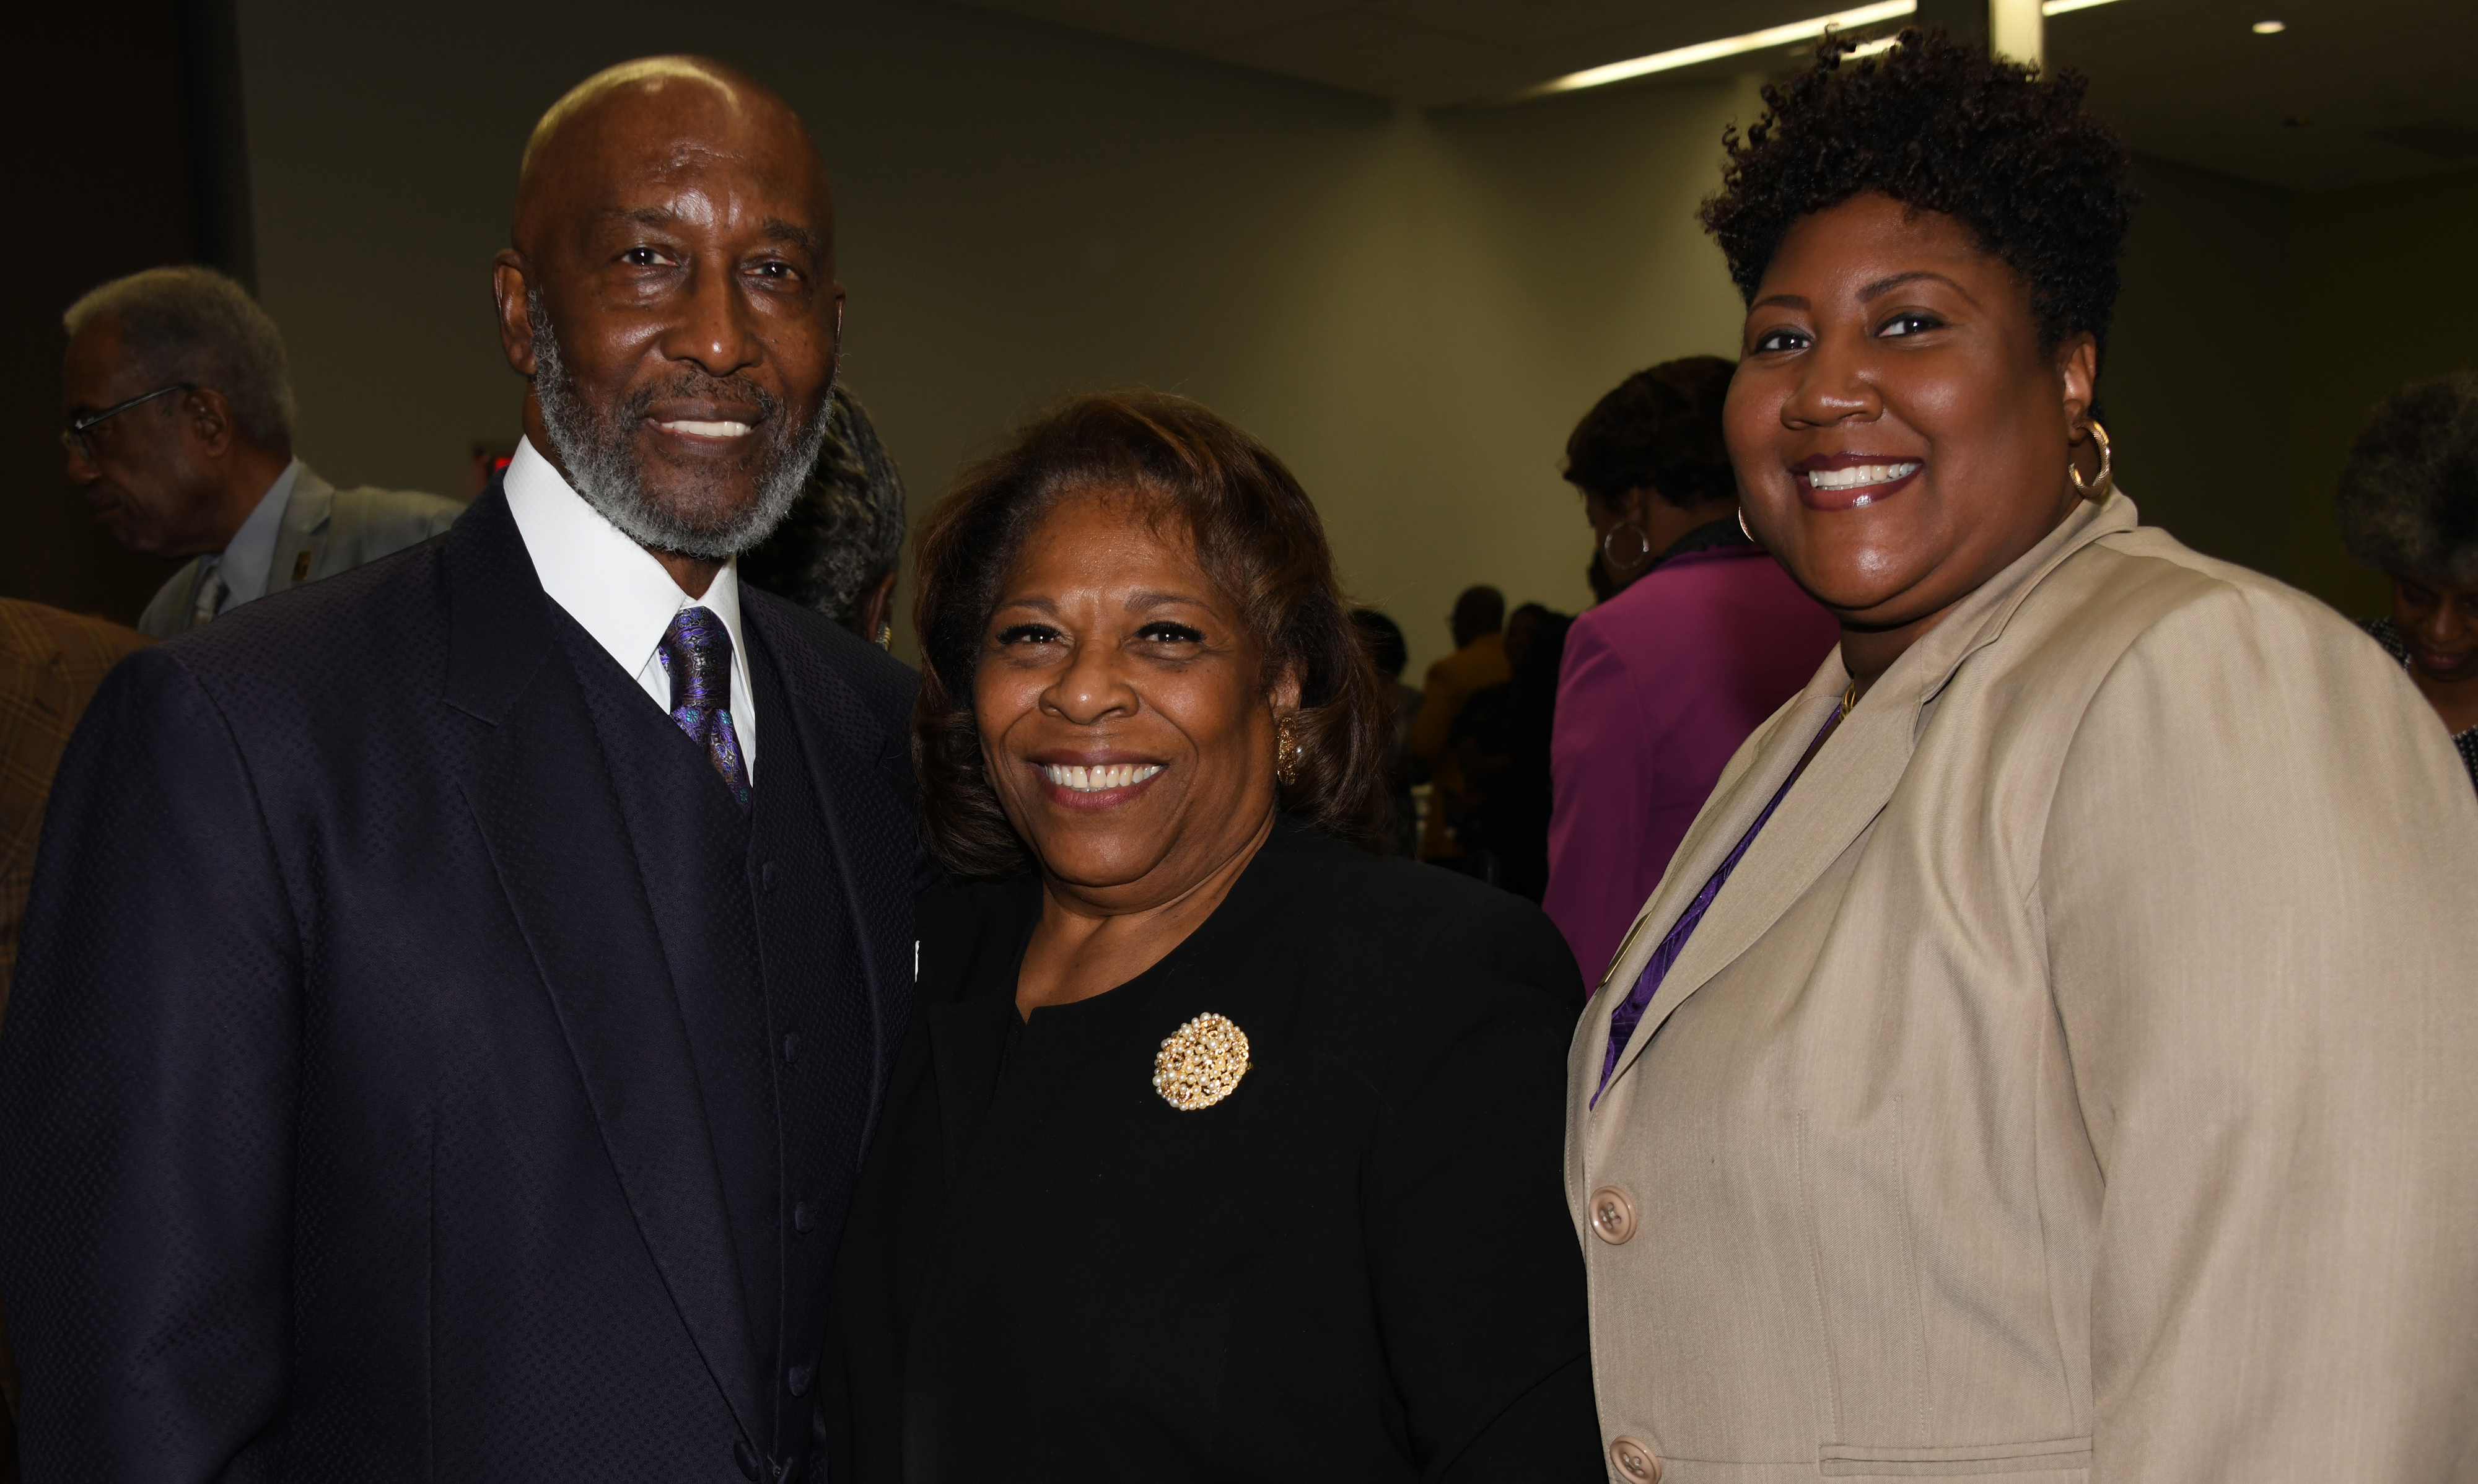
<point x="1613" y="1217"/>
<point x="1635" y="1462"/>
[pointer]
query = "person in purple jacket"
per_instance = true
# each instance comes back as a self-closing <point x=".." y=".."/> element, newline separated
<point x="1703" y="638"/>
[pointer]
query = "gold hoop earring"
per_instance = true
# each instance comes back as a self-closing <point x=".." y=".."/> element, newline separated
<point x="2103" y="482"/>
<point x="886" y="635"/>
<point x="1286" y="754"/>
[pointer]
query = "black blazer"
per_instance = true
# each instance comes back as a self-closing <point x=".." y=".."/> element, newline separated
<point x="1358" y="1266"/>
<point x="349" y="1124"/>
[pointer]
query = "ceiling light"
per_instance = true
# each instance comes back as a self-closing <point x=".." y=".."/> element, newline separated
<point x="1727" y="46"/>
<point x="1757" y="40"/>
<point x="2269" y="28"/>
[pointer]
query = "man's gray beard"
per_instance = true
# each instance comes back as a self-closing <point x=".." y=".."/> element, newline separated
<point x="596" y="448"/>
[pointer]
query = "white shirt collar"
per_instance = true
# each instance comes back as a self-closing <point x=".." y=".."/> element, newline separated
<point x="614" y="589"/>
<point x="248" y="559"/>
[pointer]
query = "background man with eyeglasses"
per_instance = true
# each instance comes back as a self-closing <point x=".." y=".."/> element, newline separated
<point x="180" y="436"/>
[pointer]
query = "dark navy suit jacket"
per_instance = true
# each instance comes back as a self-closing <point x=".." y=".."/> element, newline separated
<point x="351" y="1127"/>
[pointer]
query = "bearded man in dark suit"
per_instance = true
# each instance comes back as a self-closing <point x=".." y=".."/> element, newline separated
<point x="444" y="1038"/>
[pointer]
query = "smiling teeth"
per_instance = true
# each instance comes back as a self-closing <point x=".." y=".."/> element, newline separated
<point x="1092" y="780"/>
<point x="705" y="428"/>
<point x="1861" y="474"/>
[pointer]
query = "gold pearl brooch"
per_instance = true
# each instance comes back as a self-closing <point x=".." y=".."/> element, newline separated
<point x="1200" y="1062"/>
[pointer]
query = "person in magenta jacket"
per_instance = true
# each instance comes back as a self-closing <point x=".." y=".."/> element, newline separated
<point x="1704" y="637"/>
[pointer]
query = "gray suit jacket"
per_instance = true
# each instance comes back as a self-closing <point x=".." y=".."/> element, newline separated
<point x="2074" y="1080"/>
<point x="325" y="531"/>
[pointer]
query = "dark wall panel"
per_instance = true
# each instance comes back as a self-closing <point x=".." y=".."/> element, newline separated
<point x="109" y="101"/>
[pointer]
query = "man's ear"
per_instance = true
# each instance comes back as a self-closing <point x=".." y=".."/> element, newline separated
<point x="210" y="421"/>
<point x="509" y="280"/>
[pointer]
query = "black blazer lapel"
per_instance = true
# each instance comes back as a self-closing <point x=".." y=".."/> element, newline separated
<point x="542" y="798"/>
<point x="841" y="740"/>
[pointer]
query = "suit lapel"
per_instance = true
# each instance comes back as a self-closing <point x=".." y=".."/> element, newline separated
<point x="1847" y="785"/>
<point x="840" y="739"/>
<point x="543" y="797"/>
<point x="185" y="582"/>
<point x="301" y="538"/>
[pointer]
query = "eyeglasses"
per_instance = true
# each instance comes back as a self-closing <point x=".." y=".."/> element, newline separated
<point x="73" y="436"/>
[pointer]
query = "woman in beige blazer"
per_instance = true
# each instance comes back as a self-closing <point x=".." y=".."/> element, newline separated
<point x="2052" y="1051"/>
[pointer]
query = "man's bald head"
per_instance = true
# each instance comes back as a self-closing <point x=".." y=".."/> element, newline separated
<point x="654" y="111"/>
<point x="670" y="295"/>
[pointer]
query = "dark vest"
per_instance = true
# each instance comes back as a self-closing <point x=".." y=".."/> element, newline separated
<point x="783" y="1057"/>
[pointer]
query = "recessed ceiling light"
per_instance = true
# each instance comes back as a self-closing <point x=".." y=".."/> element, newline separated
<point x="2269" y="28"/>
<point x="1727" y="46"/>
<point x="1757" y="40"/>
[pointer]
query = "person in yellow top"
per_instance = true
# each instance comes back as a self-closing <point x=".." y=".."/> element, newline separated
<point x="1479" y="662"/>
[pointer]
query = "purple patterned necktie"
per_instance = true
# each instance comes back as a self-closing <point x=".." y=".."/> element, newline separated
<point x="697" y="654"/>
<point x="1628" y="1013"/>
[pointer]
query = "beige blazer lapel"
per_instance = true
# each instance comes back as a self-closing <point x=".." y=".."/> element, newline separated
<point x="1843" y="790"/>
<point x="301" y="538"/>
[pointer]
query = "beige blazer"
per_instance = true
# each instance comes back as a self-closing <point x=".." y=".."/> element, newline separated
<point x="324" y="531"/>
<point x="2078" y="1076"/>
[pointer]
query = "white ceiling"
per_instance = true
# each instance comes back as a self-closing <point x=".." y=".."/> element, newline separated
<point x="2378" y="90"/>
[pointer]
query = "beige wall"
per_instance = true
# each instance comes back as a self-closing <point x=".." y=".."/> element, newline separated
<point x="2380" y="298"/>
<point x="1413" y="309"/>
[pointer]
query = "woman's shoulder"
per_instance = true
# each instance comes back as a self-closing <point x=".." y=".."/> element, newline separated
<point x="965" y="928"/>
<point x="1387" y="921"/>
<point x="2143" y="588"/>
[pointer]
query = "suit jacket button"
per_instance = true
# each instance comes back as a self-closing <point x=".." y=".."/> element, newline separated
<point x="745" y="1457"/>
<point x="792" y="1047"/>
<point x="800" y="1380"/>
<point x="1635" y="1462"/>
<point x="765" y="877"/>
<point x="1612" y="1219"/>
<point x="804" y="1216"/>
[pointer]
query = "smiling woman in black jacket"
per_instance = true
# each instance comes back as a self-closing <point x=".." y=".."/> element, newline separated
<point x="1221" y="1148"/>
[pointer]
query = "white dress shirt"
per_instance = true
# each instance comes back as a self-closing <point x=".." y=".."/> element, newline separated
<point x="248" y="559"/>
<point x="617" y="591"/>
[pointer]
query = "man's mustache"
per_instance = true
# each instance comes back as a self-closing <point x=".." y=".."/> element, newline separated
<point x="733" y="391"/>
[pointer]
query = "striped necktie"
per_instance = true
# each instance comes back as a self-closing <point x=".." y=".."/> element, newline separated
<point x="211" y="588"/>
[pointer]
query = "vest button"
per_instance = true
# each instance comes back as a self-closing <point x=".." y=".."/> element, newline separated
<point x="765" y="877"/>
<point x="799" y="1380"/>
<point x="792" y="1047"/>
<point x="1635" y="1462"/>
<point x="804" y="1216"/>
<point x="1612" y="1216"/>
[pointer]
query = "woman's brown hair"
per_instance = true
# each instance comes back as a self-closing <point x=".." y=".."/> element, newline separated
<point x="1254" y="533"/>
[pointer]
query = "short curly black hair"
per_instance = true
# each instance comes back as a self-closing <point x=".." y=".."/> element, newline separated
<point x="845" y="533"/>
<point x="1939" y="126"/>
<point x="2408" y="494"/>
<point x="1660" y="429"/>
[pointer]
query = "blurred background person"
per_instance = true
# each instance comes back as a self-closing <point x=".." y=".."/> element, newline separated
<point x="1502" y="744"/>
<point x="2049" y="1053"/>
<point x="1323" y="1237"/>
<point x="1479" y="662"/>
<point x="1703" y="638"/>
<point x="838" y="549"/>
<point x="1391" y="653"/>
<point x="50" y="663"/>
<point x="2408" y="509"/>
<point x="180" y="438"/>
